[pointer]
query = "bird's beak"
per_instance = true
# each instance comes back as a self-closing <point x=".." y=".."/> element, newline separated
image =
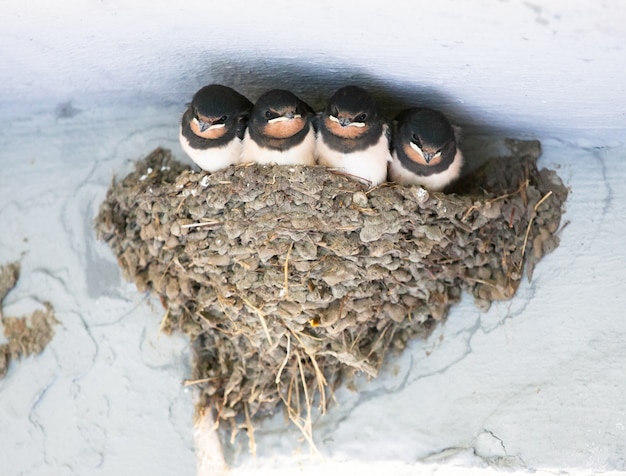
<point x="342" y="121"/>
<point x="286" y="117"/>
<point x="428" y="156"/>
<point x="345" y="121"/>
<point x="205" y="126"/>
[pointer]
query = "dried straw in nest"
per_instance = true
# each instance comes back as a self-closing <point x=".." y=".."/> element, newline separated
<point x="25" y="335"/>
<point x="286" y="278"/>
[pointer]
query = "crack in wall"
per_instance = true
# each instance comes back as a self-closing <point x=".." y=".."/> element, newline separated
<point x="32" y="418"/>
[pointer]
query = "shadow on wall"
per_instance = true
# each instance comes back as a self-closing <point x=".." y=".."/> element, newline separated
<point x="316" y="82"/>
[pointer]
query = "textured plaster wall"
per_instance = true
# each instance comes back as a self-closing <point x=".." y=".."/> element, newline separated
<point x="550" y="69"/>
<point x="88" y="86"/>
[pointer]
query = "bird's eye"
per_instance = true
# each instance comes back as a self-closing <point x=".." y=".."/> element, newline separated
<point x="361" y="117"/>
<point x="269" y="115"/>
<point x="417" y="141"/>
<point x="223" y="118"/>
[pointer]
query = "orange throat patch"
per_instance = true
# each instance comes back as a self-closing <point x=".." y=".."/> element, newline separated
<point x="213" y="132"/>
<point x="418" y="158"/>
<point x="285" y="128"/>
<point x="347" y="132"/>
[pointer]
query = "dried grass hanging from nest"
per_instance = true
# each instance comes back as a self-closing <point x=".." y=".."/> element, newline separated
<point x="287" y="278"/>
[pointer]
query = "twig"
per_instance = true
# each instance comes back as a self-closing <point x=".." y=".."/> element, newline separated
<point x="558" y="232"/>
<point x="337" y="171"/>
<point x="250" y="429"/>
<point x="524" y="185"/>
<point x="380" y="338"/>
<point x="189" y="383"/>
<point x="282" y="366"/>
<point x="321" y="382"/>
<point x="199" y="224"/>
<point x="289" y="394"/>
<point x="376" y="187"/>
<point x="165" y="272"/>
<point x="307" y="400"/>
<point x="319" y="376"/>
<point x="294" y="414"/>
<point x="261" y="315"/>
<point x="180" y="205"/>
<point x="164" y="320"/>
<point x="481" y="281"/>
<point x="495" y="199"/>
<point x="305" y="428"/>
<point x="356" y="338"/>
<point x="286" y="269"/>
<point x="530" y="224"/>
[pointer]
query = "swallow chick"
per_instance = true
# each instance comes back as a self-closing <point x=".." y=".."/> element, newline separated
<point x="425" y="150"/>
<point x="212" y="127"/>
<point x="280" y="131"/>
<point x="353" y="136"/>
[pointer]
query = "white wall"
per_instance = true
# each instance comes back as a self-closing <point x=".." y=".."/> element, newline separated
<point x="508" y="66"/>
<point x="537" y="382"/>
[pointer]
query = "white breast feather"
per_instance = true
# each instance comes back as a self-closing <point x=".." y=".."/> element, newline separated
<point x="369" y="164"/>
<point x="302" y="154"/>
<point x="213" y="158"/>
<point x="434" y="182"/>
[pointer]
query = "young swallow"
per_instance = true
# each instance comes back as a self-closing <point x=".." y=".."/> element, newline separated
<point x="280" y="131"/>
<point x="354" y="136"/>
<point x="425" y="150"/>
<point x="213" y="125"/>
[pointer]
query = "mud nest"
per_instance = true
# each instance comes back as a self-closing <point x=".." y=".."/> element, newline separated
<point x="288" y="278"/>
<point x="25" y="335"/>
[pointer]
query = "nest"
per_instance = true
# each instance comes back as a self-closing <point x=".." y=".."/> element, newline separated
<point x="288" y="278"/>
<point x="25" y="335"/>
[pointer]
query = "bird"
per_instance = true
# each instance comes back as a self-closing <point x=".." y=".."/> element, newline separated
<point x="280" y="131"/>
<point x="212" y="127"/>
<point x="353" y="136"/>
<point x="424" y="150"/>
